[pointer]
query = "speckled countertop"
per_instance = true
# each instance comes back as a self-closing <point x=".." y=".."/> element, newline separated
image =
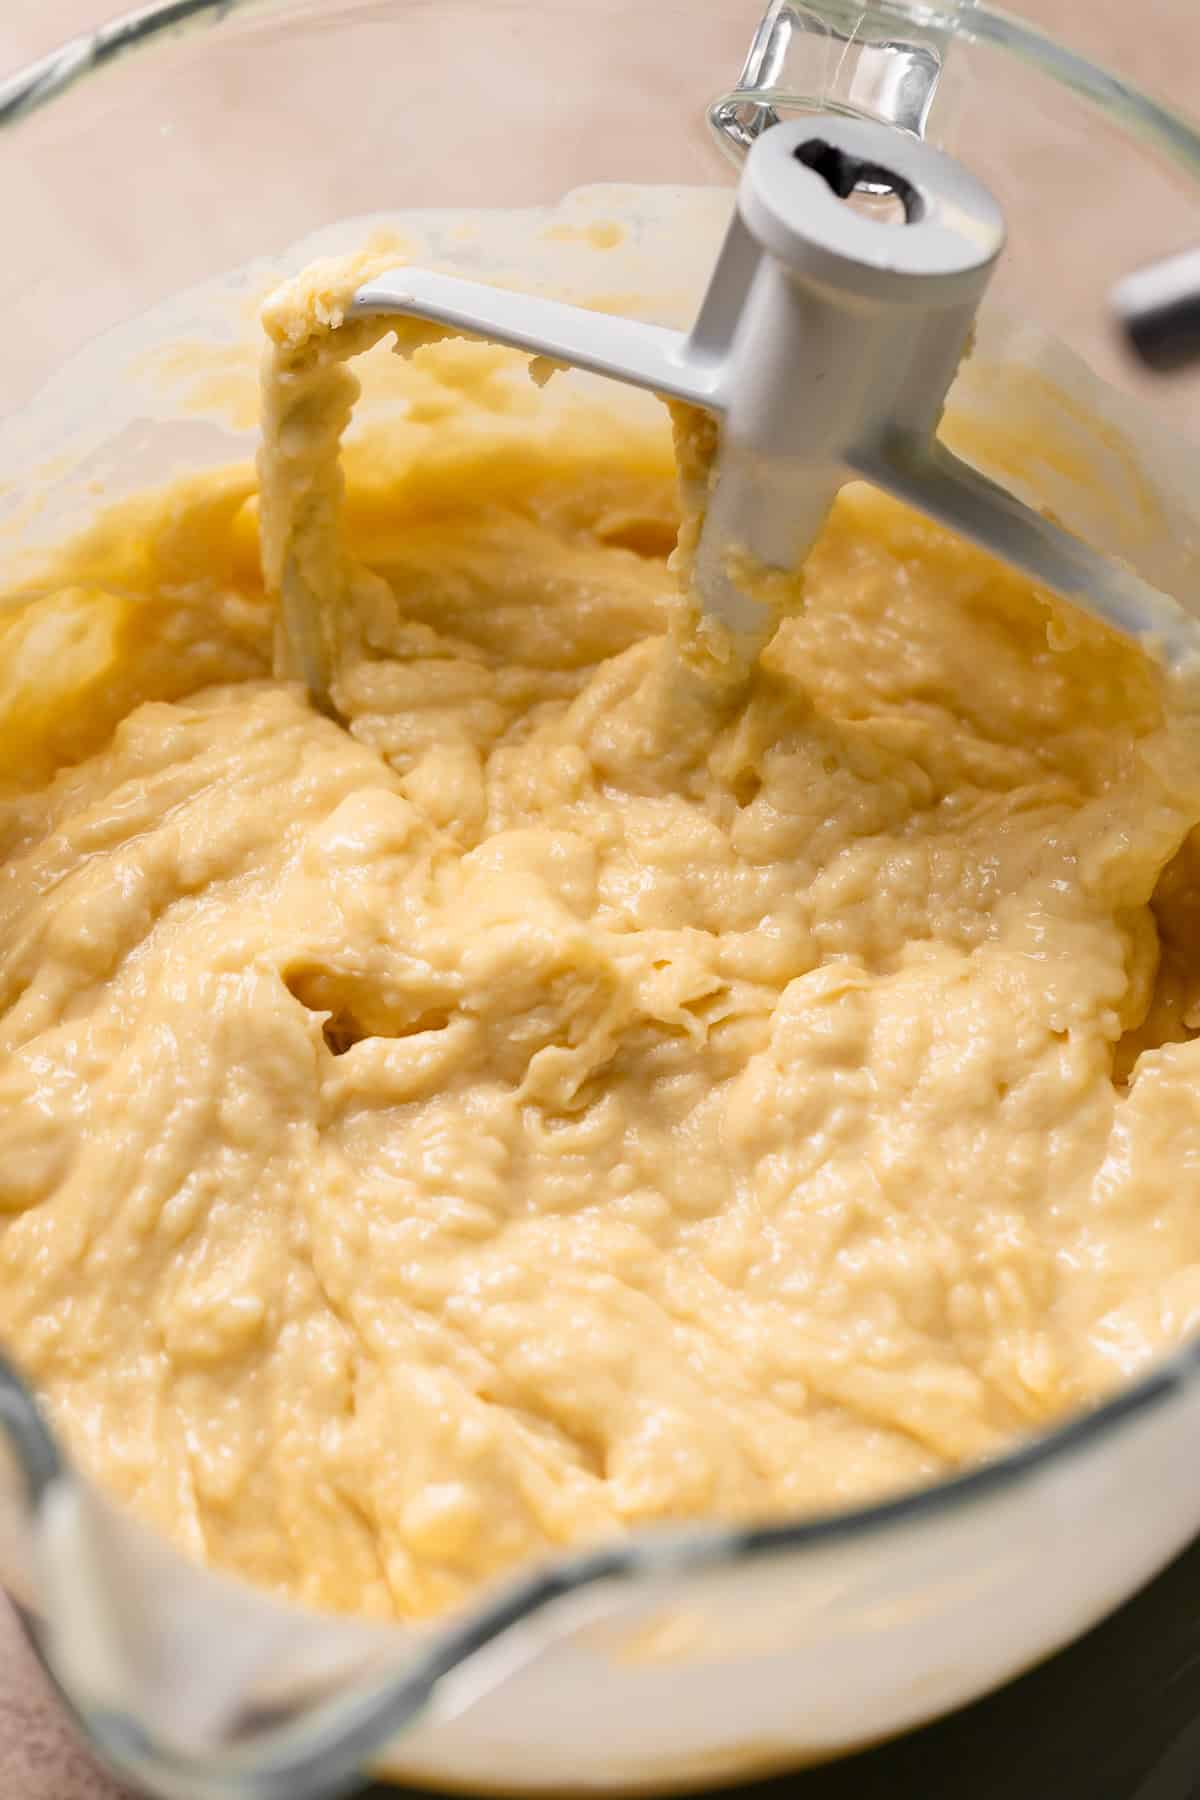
<point x="40" y="1759"/>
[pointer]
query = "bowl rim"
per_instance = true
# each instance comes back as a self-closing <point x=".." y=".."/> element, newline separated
<point x="1164" y="127"/>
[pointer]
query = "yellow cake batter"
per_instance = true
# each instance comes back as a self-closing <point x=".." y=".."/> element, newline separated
<point x="597" y="1086"/>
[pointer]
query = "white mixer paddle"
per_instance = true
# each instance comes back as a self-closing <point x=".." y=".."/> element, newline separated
<point x="826" y="343"/>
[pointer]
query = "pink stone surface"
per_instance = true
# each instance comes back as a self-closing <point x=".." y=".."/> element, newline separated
<point x="41" y="1758"/>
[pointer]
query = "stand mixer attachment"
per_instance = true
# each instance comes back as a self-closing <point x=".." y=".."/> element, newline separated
<point x="840" y="306"/>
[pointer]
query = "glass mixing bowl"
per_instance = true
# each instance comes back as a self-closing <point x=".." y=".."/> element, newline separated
<point x="200" y="137"/>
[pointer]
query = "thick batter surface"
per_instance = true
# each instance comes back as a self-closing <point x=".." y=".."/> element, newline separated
<point x="588" y="1090"/>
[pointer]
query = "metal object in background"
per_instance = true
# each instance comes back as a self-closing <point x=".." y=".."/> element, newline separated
<point x="1158" y="309"/>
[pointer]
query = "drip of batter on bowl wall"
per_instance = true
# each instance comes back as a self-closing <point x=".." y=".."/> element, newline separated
<point x="541" y="1104"/>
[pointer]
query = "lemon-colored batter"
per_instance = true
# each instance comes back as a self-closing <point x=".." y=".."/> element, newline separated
<point x="591" y="1089"/>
